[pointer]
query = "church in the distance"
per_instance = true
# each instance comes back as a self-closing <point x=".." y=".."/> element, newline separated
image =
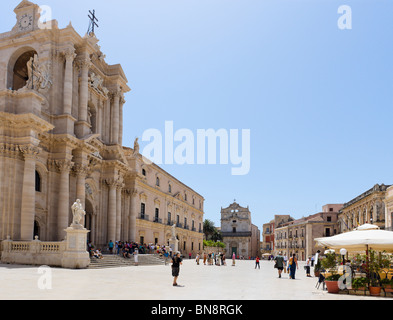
<point x="61" y="132"/>
<point x="239" y="234"/>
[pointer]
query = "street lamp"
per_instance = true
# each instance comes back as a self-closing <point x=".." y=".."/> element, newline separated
<point x="343" y="252"/>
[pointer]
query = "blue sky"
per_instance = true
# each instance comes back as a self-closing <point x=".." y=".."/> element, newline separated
<point x="318" y="100"/>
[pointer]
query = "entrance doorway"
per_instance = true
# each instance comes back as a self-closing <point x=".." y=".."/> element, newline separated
<point x="36" y="229"/>
<point x="89" y="219"/>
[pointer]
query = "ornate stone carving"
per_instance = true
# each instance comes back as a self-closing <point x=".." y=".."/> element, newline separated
<point x="39" y="75"/>
<point x="9" y="150"/>
<point x="97" y="84"/>
<point x="29" y="151"/>
<point x="80" y="169"/>
<point x="84" y="64"/>
<point x="69" y="54"/>
<point x="63" y="165"/>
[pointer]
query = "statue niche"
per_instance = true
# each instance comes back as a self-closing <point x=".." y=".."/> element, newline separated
<point x="20" y="73"/>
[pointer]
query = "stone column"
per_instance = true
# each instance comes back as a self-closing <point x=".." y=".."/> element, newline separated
<point x="81" y="173"/>
<point x="68" y="81"/>
<point x="126" y="215"/>
<point x="118" y="212"/>
<point x="122" y="101"/>
<point x="83" y="127"/>
<point x="115" y="117"/>
<point x="112" y="206"/>
<point x="28" y="192"/>
<point x="100" y="120"/>
<point x="84" y="89"/>
<point x="64" y="167"/>
<point x="133" y="215"/>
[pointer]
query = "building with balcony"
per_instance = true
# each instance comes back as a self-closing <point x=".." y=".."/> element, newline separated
<point x="268" y="240"/>
<point x="162" y="201"/>
<point x="297" y="236"/>
<point x="368" y="207"/>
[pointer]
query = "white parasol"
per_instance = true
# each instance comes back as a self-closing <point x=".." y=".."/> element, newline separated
<point x="364" y="237"/>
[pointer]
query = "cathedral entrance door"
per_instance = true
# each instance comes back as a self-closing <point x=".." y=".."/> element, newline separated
<point x="89" y="219"/>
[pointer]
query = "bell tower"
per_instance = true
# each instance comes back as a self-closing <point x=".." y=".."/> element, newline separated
<point x="27" y="17"/>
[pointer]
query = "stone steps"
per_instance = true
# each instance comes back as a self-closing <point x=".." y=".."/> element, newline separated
<point x="115" y="261"/>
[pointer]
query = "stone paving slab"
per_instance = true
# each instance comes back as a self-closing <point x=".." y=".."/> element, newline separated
<point x="199" y="282"/>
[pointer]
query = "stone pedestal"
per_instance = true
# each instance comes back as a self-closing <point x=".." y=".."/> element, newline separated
<point x="76" y="255"/>
<point x="174" y="244"/>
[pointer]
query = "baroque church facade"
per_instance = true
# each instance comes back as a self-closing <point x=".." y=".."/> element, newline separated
<point x="61" y="132"/>
<point x="239" y="235"/>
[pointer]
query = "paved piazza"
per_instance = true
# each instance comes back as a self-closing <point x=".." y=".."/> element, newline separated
<point x="241" y="282"/>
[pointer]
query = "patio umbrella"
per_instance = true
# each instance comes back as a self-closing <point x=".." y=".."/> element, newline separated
<point x="364" y="237"/>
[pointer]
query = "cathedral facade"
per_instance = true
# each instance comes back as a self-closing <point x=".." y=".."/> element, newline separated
<point x="61" y="132"/>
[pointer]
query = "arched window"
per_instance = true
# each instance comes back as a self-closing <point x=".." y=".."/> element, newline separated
<point x="21" y="70"/>
<point x="157" y="181"/>
<point x="170" y="188"/>
<point x="144" y="172"/>
<point x="37" y="182"/>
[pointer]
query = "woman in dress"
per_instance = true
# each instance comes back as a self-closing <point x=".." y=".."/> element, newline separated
<point x="293" y="266"/>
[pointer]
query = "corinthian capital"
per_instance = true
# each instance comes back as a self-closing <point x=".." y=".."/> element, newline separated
<point x="84" y="64"/>
<point x="29" y="151"/>
<point x="80" y="169"/>
<point x="116" y="94"/>
<point x="69" y="54"/>
<point x="63" y="165"/>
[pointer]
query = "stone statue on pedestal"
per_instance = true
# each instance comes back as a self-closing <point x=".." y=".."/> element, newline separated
<point x="173" y="242"/>
<point x="77" y="212"/>
<point x="173" y="229"/>
<point x="136" y="146"/>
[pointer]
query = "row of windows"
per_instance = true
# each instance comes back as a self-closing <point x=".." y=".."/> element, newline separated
<point x="156" y="218"/>
<point x="170" y="189"/>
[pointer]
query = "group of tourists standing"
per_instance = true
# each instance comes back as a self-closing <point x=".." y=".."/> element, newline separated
<point x="211" y="258"/>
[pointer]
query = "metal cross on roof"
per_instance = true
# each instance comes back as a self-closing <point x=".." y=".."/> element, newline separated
<point x="92" y="24"/>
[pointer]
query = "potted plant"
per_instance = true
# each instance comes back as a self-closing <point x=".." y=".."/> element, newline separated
<point x="329" y="264"/>
<point x="359" y="283"/>
<point x="374" y="267"/>
<point x="317" y="268"/>
<point x="387" y="284"/>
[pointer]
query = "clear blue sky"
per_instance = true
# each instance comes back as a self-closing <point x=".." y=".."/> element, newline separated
<point x="318" y="100"/>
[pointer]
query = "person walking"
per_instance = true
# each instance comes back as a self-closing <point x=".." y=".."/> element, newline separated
<point x="176" y="262"/>
<point x="308" y="267"/>
<point x="293" y="266"/>
<point x="110" y="246"/>
<point x="233" y="259"/>
<point x="279" y="265"/>
<point x="257" y="263"/>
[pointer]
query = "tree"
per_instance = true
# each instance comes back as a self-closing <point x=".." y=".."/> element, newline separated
<point x="208" y="228"/>
<point x="216" y="236"/>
